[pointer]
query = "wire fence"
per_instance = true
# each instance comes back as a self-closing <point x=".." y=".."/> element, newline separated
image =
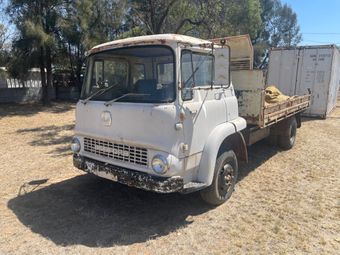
<point x="16" y="83"/>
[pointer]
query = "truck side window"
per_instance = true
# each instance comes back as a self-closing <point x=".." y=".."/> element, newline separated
<point x="187" y="75"/>
<point x="204" y="73"/>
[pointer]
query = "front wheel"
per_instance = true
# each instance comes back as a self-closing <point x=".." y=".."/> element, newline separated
<point x="224" y="180"/>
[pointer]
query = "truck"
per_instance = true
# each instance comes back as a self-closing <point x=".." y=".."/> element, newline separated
<point x="172" y="113"/>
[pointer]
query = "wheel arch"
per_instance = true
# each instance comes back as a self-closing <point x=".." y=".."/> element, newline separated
<point x="236" y="143"/>
<point x="226" y="135"/>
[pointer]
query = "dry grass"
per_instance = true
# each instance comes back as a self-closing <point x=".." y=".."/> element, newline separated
<point x="285" y="202"/>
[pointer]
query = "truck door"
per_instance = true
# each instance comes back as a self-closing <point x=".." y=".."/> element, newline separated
<point x="203" y="103"/>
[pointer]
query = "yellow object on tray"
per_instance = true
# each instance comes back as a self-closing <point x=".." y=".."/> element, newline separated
<point x="273" y="95"/>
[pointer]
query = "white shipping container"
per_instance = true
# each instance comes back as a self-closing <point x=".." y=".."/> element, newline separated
<point x="315" y="68"/>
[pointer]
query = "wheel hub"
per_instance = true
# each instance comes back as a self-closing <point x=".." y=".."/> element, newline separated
<point x="226" y="179"/>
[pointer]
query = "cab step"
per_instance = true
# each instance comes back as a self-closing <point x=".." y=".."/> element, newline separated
<point x="193" y="186"/>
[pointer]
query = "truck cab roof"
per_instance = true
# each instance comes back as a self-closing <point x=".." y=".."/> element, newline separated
<point x="150" y="39"/>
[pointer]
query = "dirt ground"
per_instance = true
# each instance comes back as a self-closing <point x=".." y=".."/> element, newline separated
<point x="286" y="202"/>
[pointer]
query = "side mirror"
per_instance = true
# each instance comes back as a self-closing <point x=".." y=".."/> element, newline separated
<point x="222" y="67"/>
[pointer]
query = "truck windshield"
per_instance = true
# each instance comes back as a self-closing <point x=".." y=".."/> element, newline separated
<point x="144" y="74"/>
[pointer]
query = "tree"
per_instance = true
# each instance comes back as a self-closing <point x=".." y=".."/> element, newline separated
<point x="86" y="23"/>
<point x="3" y="36"/>
<point x="59" y="32"/>
<point x="20" y="60"/>
<point x="199" y="18"/>
<point x="36" y="23"/>
<point x="151" y="14"/>
<point x="4" y="45"/>
<point x="280" y="29"/>
<point x="233" y="17"/>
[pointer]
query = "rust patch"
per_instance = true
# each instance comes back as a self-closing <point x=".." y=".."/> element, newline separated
<point x="162" y="41"/>
<point x="129" y="177"/>
<point x="182" y="116"/>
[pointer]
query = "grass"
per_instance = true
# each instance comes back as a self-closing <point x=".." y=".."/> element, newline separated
<point x="285" y="201"/>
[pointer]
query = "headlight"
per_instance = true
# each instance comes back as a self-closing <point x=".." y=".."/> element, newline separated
<point x="75" y="145"/>
<point x="160" y="164"/>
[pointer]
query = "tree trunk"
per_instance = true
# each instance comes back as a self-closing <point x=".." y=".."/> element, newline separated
<point x="49" y="71"/>
<point x="73" y="76"/>
<point x="78" y="69"/>
<point x="43" y="77"/>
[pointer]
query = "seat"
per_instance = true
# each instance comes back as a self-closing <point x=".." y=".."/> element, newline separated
<point x="146" y="86"/>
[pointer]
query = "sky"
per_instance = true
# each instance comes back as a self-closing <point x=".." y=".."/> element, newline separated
<point x="319" y="20"/>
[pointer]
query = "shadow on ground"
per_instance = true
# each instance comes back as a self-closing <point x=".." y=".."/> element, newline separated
<point x="49" y="136"/>
<point x="95" y="212"/>
<point x="258" y="153"/>
<point x="91" y="211"/>
<point x="7" y="110"/>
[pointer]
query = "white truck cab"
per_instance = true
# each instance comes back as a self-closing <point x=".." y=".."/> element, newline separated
<point x="160" y="113"/>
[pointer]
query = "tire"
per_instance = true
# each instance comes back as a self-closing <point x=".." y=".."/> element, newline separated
<point x="287" y="140"/>
<point x="224" y="180"/>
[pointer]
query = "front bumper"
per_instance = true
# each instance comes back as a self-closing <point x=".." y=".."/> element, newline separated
<point x="129" y="177"/>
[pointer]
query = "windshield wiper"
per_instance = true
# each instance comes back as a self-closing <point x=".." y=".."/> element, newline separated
<point x="125" y="95"/>
<point x="191" y="76"/>
<point x="98" y="92"/>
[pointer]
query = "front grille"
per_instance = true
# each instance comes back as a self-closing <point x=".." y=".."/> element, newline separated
<point x="122" y="152"/>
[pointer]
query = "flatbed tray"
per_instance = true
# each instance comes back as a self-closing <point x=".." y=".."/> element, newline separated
<point x="272" y="113"/>
<point x="250" y="93"/>
<point x="275" y="112"/>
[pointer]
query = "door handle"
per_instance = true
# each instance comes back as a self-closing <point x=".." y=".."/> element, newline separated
<point x="219" y="95"/>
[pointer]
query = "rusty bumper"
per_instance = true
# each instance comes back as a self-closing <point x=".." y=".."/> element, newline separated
<point x="129" y="177"/>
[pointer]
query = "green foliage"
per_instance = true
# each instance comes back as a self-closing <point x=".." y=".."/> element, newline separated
<point x="199" y="18"/>
<point x="36" y="22"/>
<point x="83" y="24"/>
<point x="151" y="15"/>
<point x="268" y="22"/>
<point x="59" y="32"/>
<point x="3" y="74"/>
<point x="3" y="36"/>
<point x="4" y="52"/>
<point x="21" y="59"/>
<point x="280" y="29"/>
<point x="134" y="31"/>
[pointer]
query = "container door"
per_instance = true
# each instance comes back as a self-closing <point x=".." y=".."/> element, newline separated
<point x="282" y="70"/>
<point x="335" y="82"/>
<point x="314" y="74"/>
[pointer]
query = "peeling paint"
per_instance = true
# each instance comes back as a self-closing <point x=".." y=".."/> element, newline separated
<point x="151" y="39"/>
<point x="129" y="177"/>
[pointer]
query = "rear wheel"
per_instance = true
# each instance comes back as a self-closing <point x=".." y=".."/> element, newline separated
<point x="287" y="139"/>
<point x="224" y="180"/>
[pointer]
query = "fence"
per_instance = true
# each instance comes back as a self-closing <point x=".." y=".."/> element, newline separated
<point x="15" y="83"/>
<point x="30" y="90"/>
<point x="24" y="95"/>
<point x="34" y="94"/>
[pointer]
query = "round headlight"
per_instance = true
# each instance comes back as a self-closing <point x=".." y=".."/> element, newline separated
<point x="75" y="145"/>
<point x="160" y="164"/>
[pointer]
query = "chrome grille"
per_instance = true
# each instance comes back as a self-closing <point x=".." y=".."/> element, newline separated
<point x="122" y="152"/>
